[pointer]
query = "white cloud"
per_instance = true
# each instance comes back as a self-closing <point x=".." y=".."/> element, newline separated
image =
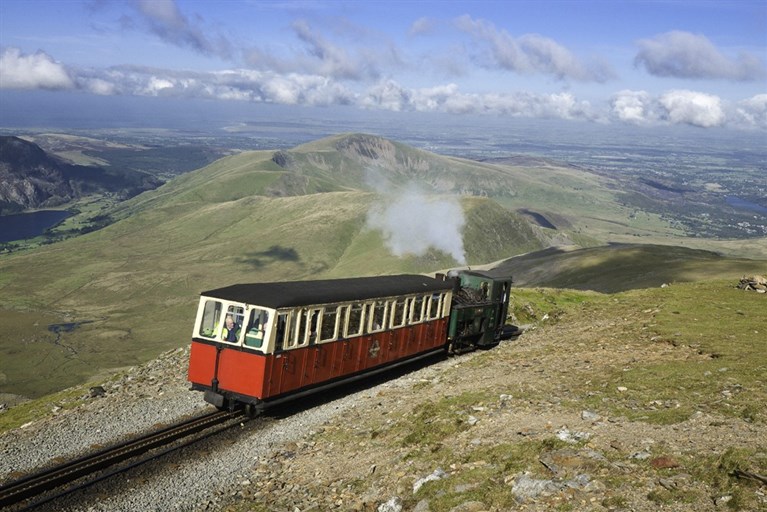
<point x="752" y="112"/>
<point x="155" y="86"/>
<point x="387" y="95"/>
<point x="685" y="55"/>
<point x="164" y="19"/>
<point x="532" y="53"/>
<point x="688" y="107"/>
<point x="694" y="108"/>
<point x="636" y="107"/>
<point x="562" y="105"/>
<point x="626" y="106"/>
<point x="331" y="59"/>
<point x="35" y="71"/>
<point x="99" y="86"/>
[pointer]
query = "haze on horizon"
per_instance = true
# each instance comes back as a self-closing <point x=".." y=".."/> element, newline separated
<point x="637" y="63"/>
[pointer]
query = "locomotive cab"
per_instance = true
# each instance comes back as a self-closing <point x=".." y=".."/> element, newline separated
<point x="481" y="305"/>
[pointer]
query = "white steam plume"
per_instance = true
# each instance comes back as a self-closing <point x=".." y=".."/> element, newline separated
<point x="412" y="221"/>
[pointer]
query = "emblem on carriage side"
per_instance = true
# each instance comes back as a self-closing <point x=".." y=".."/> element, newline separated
<point x="375" y="348"/>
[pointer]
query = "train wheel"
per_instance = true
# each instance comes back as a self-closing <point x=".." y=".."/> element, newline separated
<point x="251" y="411"/>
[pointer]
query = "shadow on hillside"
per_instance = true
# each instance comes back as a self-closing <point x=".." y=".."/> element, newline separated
<point x="618" y="267"/>
<point x="271" y="255"/>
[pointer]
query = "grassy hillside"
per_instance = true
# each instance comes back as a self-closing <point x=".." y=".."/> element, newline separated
<point x="136" y="282"/>
<point x="620" y="267"/>
<point x="129" y="290"/>
<point x="581" y="205"/>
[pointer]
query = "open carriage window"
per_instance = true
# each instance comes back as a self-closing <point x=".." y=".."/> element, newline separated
<point x="232" y="328"/>
<point x="211" y="316"/>
<point x="394" y="318"/>
<point x="255" y="332"/>
<point x="314" y="318"/>
<point x="328" y="327"/>
<point x="355" y="320"/>
<point x="377" y="316"/>
<point x="299" y="329"/>
<point x="304" y="327"/>
<point x="404" y="312"/>
<point x="282" y="337"/>
<point x="434" y="305"/>
<point x="417" y="312"/>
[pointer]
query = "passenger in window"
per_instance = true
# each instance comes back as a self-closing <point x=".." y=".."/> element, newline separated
<point x="313" y="327"/>
<point x="231" y="330"/>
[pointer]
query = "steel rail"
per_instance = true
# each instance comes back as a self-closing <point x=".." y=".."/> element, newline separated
<point x="46" y="480"/>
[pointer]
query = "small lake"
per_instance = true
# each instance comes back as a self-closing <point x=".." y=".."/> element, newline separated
<point x="29" y="225"/>
<point x="742" y="204"/>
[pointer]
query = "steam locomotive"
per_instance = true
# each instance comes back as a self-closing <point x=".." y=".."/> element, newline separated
<point x="257" y="345"/>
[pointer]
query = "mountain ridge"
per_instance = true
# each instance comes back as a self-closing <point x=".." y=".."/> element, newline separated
<point x="31" y="178"/>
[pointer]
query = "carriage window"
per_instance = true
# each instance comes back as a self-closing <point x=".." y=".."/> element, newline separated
<point x="232" y="328"/>
<point x="394" y="318"/>
<point x="434" y="303"/>
<point x="377" y="316"/>
<point x="211" y="315"/>
<point x="299" y="328"/>
<point x="328" y="327"/>
<point x="417" y="315"/>
<point x="355" y="319"/>
<point x="304" y="327"/>
<point x="311" y="334"/>
<point x="255" y="332"/>
<point x="282" y="338"/>
<point x="404" y="313"/>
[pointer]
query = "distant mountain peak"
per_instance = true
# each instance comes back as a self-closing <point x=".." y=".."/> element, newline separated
<point x="31" y="178"/>
<point x="19" y="155"/>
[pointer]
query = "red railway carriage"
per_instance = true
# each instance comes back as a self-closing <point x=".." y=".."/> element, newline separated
<point x="259" y="344"/>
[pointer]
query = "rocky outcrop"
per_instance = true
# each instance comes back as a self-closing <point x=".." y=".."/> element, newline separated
<point x="29" y="178"/>
<point x="753" y="283"/>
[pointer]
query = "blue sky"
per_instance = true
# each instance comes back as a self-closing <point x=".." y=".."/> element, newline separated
<point x="647" y="63"/>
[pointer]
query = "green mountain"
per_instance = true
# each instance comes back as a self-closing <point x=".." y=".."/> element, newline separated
<point x="344" y="206"/>
<point x="129" y="290"/>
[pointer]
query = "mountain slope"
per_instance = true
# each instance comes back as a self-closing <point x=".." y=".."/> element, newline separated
<point x="30" y="178"/>
<point x="620" y="267"/>
<point x="343" y="206"/>
<point x="131" y="288"/>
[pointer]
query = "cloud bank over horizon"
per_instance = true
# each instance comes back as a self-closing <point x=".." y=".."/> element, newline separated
<point x="41" y="71"/>
<point x="457" y="65"/>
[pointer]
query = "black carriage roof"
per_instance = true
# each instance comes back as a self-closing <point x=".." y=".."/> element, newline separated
<point x="307" y="293"/>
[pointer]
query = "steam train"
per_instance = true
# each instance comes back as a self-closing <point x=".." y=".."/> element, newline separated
<point x="257" y="345"/>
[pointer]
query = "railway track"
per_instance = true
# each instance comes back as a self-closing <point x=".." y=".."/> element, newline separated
<point x="36" y="489"/>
